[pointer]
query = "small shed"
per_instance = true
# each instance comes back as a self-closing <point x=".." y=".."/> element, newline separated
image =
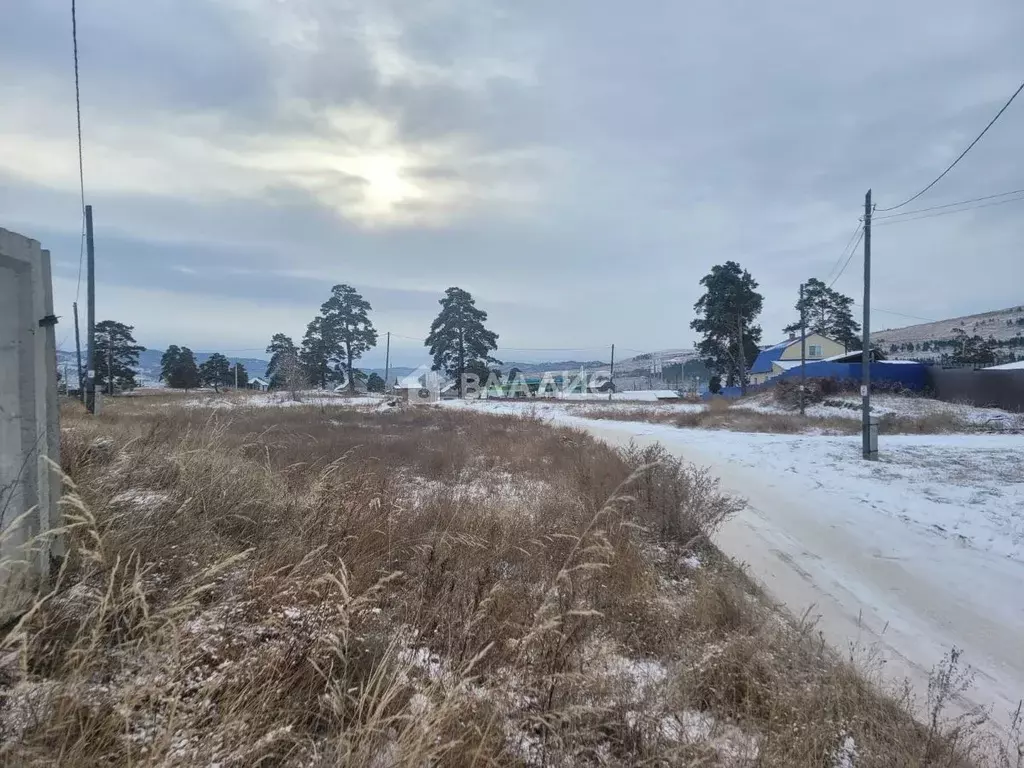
<point x="259" y="383"/>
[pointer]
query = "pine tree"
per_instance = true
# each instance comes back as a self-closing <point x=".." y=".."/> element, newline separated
<point x="216" y="372"/>
<point x="169" y="362"/>
<point x="972" y="349"/>
<point x="729" y="306"/>
<point x="346" y="328"/>
<point x="315" y="354"/>
<point x="458" y="337"/>
<point x="283" y="359"/>
<point x="115" y="356"/>
<point x="375" y="383"/>
<point x="178" y="368"/>
<point x="829" y="313"/>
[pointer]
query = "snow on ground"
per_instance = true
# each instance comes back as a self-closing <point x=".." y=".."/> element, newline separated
<point x="966" y="487"/>
<point x="647" y="396"/>
<point x="962" y="487"/>
<point x="905" y="557"/>
<point x="896" y="405"/>
<point x="280" y="399"/>
<point x="848" y="407"/>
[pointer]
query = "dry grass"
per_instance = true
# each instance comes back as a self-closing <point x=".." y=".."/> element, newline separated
<point x="720" y="415"/>
<point x="311" y="586"/>
<point x="724" y="414"/>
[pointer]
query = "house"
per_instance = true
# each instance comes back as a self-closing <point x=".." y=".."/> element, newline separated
<point x="259" y="383"/>
<point x="777" y="359"/>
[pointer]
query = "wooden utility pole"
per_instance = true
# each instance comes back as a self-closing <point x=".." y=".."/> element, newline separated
<point x="387" y="363"/>
<point x="110" y="368"/>
<point x="742" y="356"/>
<point x="611" y="389"/>
<point x="869" y="437"/>
<point x="803" y="352"/>
<point x="90" y="329"/>
<point x="78" y="354"/>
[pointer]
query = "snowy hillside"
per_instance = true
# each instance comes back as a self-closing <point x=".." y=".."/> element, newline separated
<point x="1002" y="325"/>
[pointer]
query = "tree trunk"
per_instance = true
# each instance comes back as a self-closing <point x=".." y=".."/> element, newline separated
<point x="351" y="376"/>
<point x="462" y="360"/>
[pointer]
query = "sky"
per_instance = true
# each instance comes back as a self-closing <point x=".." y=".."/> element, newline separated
<point x="577" y="165"/>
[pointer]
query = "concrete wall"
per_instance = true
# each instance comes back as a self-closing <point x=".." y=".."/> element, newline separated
<point x="29" y="432"/>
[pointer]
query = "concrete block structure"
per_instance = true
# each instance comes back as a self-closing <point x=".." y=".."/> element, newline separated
<point x="29" y="430"/>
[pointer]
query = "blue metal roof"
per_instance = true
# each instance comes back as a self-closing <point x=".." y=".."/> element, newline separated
<point x="763" y="362"/>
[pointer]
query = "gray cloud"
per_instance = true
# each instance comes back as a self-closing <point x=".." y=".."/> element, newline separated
<point x="578" y="166"/>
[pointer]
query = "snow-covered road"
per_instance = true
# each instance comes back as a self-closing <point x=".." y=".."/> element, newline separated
<point x="907" y="557"/>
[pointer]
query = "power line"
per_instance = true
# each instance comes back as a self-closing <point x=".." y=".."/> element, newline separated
<point x="860" y="235"/>
<point x="842" y="254"/>
<point x="81" y="165"/>
<point x="949" y="205"/>
<point x="960" y="157"/>
<point x="898" y="314"/>
<point x="957" y="210"/>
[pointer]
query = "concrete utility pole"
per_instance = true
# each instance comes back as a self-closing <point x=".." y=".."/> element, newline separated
<point x="78" y="353"/>
<point x="803" y="352"/>
<point x="236" y="374"/>
<point x="611" y="390"/>
<point x="90" y="330"/>
<point x="869" y="430"/>
<point x="387" y="363"/>
<point x="110" y="368"/>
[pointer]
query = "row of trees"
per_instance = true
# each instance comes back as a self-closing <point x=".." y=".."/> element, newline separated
<point x="179" y="370"/>
<point x="728" y="310"/>
<point x="334" y="340"/>
<point x="116" y="363"/>
<point x="342" y="332"/>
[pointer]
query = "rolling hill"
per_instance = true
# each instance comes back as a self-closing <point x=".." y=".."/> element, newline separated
<point x="928" y="341"/>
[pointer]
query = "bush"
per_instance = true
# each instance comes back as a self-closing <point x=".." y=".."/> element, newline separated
<point x="787" y="392"/>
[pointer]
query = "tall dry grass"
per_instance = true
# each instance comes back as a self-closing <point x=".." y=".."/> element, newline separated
<point x="719" y="413"/>
<point x="312" y="586"/>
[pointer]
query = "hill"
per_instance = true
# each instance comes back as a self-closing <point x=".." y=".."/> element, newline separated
<point x="929" y="341"/>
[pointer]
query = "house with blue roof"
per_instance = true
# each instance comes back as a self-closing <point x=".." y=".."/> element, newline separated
<point x="779" y="358"/>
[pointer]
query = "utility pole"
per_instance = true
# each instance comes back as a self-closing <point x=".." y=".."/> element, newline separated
<point x="78" y="354"/>
<point x="803" y="352"/>
<point x="869" y="431"/>
<point x="90" y="330"/>
<point x="110" y="368"/>
<point x="611" y="390"/>
<point x="742" y="356"/>
<point x="387" y="364"/>
<point x="236" y="375"/>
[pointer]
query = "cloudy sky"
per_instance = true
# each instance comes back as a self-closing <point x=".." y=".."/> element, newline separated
<point x="577" y="165"/>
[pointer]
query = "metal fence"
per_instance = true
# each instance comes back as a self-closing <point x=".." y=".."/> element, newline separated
<point x="999" y="389"/>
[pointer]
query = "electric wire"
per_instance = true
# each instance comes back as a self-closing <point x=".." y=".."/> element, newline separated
<point x="959" y="157"/>
<point x="81" y="164"/>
